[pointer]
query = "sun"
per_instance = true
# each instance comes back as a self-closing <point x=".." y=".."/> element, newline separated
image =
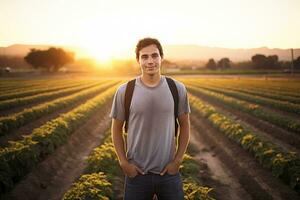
<point x="96" y="42"/>
<point x="101" y="53"/>
<point x="101" y="41"/>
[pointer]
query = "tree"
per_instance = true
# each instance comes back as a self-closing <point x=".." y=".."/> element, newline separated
<point x="224" y="63"/>
<point x="262" y="62"/>
<point x="211" y="64"/>
<point x="297" y="63"/>
<point x="51" y="59"/>
<point x="259" y="61"/>
<point x="272" y="61"/>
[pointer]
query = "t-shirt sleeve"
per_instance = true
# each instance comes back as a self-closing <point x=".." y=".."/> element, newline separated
<point x="183" y="106"/>
<point x="118" y="110"/>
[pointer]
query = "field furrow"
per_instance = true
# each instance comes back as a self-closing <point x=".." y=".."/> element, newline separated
<point x="21" y="156"/>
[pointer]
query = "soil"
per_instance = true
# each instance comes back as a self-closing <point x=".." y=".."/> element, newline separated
<point x="213" y="173"/>
<point x="230" y="170"/>
<point x="53" y="176"/>
<point x="271" y="108"/>
<point x="27" y="129"/>
<point x="20" y="108"/>
<point x="287" y="140"/>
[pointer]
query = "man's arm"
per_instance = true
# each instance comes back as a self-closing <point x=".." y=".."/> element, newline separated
<point x="117" y="137"/>
<point x="184" y="137"/>
<point x="183" y="140"/>
<point x="118" y="140"/>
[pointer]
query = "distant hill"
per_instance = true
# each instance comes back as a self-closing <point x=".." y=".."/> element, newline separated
<point x="20" y="49"/>
<point x="176" y="52"/>
<point x="23" y="49"/>
<point x="204" y="53"/>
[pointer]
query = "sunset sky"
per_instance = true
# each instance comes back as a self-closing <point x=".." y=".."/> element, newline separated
<point x="113" y="27"/>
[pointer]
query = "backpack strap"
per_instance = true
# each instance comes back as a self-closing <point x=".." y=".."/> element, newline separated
<point x="128" y="97"/>
<point x="175" y="95"/>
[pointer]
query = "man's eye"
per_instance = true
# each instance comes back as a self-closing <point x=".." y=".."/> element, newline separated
<point x="144" y="57"/>
<point x="155" y="55"/>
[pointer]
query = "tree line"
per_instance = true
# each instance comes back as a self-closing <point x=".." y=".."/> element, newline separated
<point x="53" y="59"/>
<point x="258" y="61"/>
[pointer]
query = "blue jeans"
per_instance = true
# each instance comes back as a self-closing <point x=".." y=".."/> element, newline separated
<point x="143" y="187"/>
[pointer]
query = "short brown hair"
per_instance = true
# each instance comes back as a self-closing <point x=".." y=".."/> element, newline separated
<point x="146" y="42"/>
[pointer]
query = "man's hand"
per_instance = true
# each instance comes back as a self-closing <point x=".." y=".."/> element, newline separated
<point x="130" y="169"/>
<point x="172" y="168"/>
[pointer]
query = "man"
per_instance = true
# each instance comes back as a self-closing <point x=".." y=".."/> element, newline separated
<point x="151" y="164"/>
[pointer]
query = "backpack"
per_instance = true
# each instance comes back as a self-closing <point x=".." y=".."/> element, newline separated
<point x="128" y="97"/>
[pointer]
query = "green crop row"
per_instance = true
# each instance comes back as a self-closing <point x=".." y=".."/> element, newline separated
<point x="281" y="105"/>
<point x="272" y="84"/>
<point x="282" y="92"/>
<point x="34" y="91"/>
<point x="31" y="99"/>
<point x="255" y="85"/>
<point x="94" y="186"/>
<point x="267" y="94"/>
<point x="284" y="165"/>
<point x="20" y="157"/>
<point x="284" y="122"/>
<point x="280" y="88"/>
<point x="14" y="121"/>
<point x="31" y="84"/>
<point x="14" y="83"/>
<point x="235" y="86"/>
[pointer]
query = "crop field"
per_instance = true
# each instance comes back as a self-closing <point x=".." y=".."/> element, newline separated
<point x="55" y="139"/>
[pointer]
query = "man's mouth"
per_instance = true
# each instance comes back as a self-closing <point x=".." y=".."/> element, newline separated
<point x="151" y="68"/>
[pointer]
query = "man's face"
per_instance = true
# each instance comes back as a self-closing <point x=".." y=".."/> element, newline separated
<point x="150" y="60"/>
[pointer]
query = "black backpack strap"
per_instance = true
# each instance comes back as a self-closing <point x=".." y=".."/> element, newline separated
<point x="128" y="97"/>
<point x="175" y="95"/>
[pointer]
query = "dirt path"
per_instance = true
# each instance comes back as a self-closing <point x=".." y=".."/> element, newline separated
<point x="232" y="171"/>
<point x="213" y="173"/>
<point x="53" y="176"/>
<point x="27" y="129"/>
<point x="287" y="140"/>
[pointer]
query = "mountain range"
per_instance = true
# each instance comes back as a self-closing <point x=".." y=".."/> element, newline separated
<point x="176" y="52"/>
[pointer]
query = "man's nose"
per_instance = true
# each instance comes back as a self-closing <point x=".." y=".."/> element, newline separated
<point x="150" y="60"/>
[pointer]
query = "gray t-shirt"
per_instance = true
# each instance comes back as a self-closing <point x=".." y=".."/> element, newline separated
<point x="151" y="127"/>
